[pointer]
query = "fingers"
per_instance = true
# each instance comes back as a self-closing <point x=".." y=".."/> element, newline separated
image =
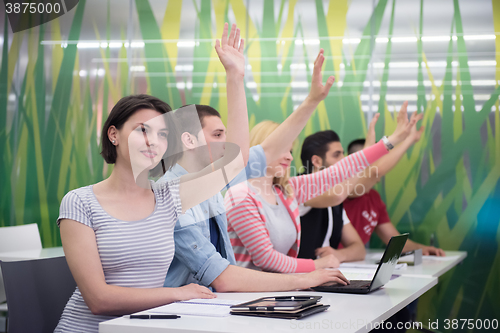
<point x="340" y="278"/>
<point x="236" y="38"/>
<point x="230" y="42"/>
<point x="421" y="131"/>
<point x="329" y="83"/>
<point x="374" y="120"/>
<point x="403" y="112"/>
<point x="217" y="47"/>
<point x="318" y="63"/>
<point x="319" y="53"/>
<point x="242" y="46"/>
<point x="224" y="34"/>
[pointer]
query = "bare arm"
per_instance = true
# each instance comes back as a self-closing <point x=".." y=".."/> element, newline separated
<point x="279" y="141"/>
<point x="387" y="230"/>
<point x="235" y="278"/>
<point x="200" y="186"/>
<point x="230" y="52"/>
<point x="80" y="249"/>
<point x="334" y="196"/>
<point x="353" y="249"/>
<point x="370" y="176"/>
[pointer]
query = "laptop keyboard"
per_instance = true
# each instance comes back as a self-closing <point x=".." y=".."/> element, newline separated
<point x="358" y="284"/>
<point x="355" y="284"/>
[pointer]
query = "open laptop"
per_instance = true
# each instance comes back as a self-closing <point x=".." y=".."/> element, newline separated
<point x="382" y="275"/>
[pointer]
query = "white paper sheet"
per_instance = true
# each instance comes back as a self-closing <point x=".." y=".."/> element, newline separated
<point x="196" y="307"/>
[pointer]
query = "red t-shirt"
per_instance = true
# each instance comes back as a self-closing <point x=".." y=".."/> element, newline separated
<point x="365" y="213"/>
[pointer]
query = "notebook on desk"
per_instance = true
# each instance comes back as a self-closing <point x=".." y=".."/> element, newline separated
<point x="382" y="275"/>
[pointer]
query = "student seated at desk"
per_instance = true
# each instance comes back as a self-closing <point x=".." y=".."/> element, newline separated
<point x="203" y="251"/>
<point x="366" y="210"/>
<point x="324" y="229"/>
<point x="117" y="235"/>
<point x="264" y="225"/>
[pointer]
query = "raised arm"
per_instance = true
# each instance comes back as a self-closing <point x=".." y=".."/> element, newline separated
<point x="200" y="186"/>
<point x="409" y="134"/>
<point x="281" y="138"/>
<point x="371" y="175"/>
<point x="230" y="52"/>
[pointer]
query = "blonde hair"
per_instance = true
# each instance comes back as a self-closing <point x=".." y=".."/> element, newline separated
<point x="257" y="135"/>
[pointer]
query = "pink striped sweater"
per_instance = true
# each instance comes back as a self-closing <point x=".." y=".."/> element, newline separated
<point x="247" y="223"/>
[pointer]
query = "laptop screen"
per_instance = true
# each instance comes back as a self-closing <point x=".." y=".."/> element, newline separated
<point x="388" y="261"/>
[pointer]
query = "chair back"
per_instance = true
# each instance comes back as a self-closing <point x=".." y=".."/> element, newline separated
<point x="20" y="238"/>
<point x="37" y="292"/>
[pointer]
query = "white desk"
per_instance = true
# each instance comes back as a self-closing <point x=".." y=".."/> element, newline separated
<point x="429" y="266"/>
<point x="51" y="252"/>
<point x="353" y="312"/>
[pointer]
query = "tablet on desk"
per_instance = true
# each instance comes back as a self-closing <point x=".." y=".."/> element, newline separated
<point x="281" y="303"/>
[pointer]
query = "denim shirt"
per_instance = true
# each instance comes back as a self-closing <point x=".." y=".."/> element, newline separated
<point x="195" y="259"/>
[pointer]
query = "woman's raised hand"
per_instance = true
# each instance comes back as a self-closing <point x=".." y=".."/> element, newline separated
<point x="318" y="90"/>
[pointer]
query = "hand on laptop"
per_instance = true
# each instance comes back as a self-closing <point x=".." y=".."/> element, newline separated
<point x="322" y="276"/>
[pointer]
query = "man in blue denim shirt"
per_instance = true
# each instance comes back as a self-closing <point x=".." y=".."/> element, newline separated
<point x="203" y="251"/>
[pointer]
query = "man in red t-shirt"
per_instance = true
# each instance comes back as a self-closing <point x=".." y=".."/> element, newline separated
<point x="367" y="211"/>
<point x="365" y="208"/>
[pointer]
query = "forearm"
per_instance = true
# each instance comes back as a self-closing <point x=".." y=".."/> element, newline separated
<point x="197" y="187"/>
<point x="237" y="116"/>
<point x="115" y="300"/>
<point x="353" y="252"/>
<point x="411" y="246"/>
<point x="389" y="161"/>
<point x="309" y="186"/>
<point x="334" y="196"/>
<point x="239" y="279"/>
<point x="281" y="138"/>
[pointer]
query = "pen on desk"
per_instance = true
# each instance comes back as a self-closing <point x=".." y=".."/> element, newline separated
<point x="154" y="316"/>
<point x="406" y="253"/>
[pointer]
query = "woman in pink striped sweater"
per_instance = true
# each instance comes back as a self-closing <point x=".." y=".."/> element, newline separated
<point x="263" y="216"/>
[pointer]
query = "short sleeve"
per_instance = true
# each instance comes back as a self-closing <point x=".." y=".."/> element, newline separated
<point x="257" y="162"/>
<point x="73" y="208"/>
<point x="255" y="168"/>
<point x="169" y="188"/>
<point x="345" y="218"/>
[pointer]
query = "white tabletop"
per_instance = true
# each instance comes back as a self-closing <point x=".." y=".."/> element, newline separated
<point x="51" y="252"/>
<point x="431" y="265"/>
<point x="347" y="313"/>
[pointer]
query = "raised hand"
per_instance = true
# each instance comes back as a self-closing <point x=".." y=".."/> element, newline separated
<point x="370" y="136"/>
<point x="318" y="90"/>
<point x="415" y="134"/>
<point x="230" y="51"/>
<point x="403" y="127"/>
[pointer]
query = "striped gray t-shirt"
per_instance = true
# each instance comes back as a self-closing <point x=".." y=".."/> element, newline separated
<point x="133" y="254"/>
